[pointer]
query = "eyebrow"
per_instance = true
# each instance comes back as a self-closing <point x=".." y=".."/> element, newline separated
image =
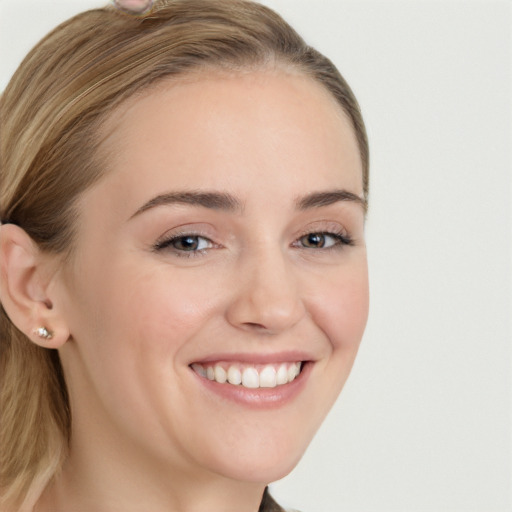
<point x="319" y="199"/>
<point x="229" y="203"/>
<point x="211" y="200"/>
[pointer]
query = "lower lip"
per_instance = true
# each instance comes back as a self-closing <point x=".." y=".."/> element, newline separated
<point x="259" y="398"/>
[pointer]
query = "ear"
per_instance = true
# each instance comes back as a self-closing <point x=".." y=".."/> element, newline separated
<point x="25" y="277"/>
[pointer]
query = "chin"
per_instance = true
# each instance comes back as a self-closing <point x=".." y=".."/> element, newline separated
<point x="263" y="473"/>
<point x="262" y="462"/>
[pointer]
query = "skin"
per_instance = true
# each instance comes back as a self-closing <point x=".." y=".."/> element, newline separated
<point x="135" y="6"/>
<point x="146" y="435"/>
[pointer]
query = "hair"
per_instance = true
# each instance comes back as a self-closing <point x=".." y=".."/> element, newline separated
<point x="50" y="114"/>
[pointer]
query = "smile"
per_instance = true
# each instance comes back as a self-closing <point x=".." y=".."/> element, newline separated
<point x="249" y="376"/>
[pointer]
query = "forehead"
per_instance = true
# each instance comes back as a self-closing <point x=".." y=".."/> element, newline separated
<point x="257" y="128"/>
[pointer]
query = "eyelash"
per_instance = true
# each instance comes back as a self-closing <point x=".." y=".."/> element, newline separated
<point x="341" y="239"/>
<point x="166" y="244"/>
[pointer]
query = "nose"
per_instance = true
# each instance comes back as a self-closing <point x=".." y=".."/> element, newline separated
<point x="266" y="296"/>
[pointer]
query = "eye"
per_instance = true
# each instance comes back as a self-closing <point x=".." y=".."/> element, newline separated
<point x="324" y="240"/>
<point x="185" y="243"/>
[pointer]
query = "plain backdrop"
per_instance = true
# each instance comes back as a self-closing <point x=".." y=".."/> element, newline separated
<point x="424" y="422"/>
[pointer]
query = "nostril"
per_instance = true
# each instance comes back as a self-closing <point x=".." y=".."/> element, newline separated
<point x="255" y="326"/>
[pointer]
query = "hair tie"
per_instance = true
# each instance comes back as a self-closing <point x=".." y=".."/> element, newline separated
<point x="134" y="6"/>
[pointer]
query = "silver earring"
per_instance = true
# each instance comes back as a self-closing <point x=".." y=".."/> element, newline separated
<point x="43" y="333"/>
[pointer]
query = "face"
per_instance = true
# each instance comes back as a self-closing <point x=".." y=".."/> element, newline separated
<point x="218" y="290"/>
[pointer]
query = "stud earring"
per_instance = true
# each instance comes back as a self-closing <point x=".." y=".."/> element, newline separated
<point x="43" y="333"/>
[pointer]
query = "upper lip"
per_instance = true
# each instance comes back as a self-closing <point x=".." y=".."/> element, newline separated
<point x="257" y="358"/>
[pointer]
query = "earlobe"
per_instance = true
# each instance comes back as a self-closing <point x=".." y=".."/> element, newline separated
<point x="25" y="274"/>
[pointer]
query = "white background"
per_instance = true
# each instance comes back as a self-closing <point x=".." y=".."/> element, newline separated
<point x="424" y="423"/>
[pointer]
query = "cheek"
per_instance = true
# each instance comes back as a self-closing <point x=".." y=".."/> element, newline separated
<point x="132" y="328"/>
<point x="164" y="309"/>
<point x="123" y="317"/>
<point x="340" y="308"/>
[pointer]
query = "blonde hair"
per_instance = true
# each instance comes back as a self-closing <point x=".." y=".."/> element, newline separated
<point x="49" y="119"/>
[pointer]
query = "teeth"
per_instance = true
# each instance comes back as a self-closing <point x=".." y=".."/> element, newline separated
<point x="268" y="377"/>
<point x="234" y="375"/>
<point x="220" y="374"/>
<point x="293" y="371"/>
<point x="250" y="378"/>
<point x="199" y="369"/>
<point x="264" y="376"/>
<point x="282" y="375"/>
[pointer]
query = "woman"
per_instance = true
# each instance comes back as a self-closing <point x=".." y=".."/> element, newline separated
<point x="184" y="278"/>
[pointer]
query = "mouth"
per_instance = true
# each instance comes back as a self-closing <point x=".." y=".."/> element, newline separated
<point x="249" y="376"/>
